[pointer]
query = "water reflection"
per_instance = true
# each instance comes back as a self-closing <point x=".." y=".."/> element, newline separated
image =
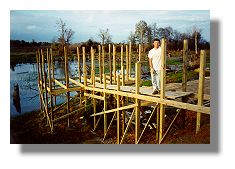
<point x="16" y="98"/>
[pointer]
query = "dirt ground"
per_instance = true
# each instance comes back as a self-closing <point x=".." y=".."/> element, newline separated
<point x="32" y="128"/>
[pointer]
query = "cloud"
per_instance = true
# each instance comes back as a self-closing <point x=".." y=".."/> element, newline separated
<point x="31" y="27"/>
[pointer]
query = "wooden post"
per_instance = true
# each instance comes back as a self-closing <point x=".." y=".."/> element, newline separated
<point x="127" y="64"/>
<point x="93" y="82"/>
<point x="114" y="63"/>
<point x="110" y="65"/>
<point x="118" y="112"/>
<point x="201" y="86"/>
<point x="157" y="124"/>
<point x="50" y="87"/>
<point x="67" y="81"/>
<point x="100" y="68"/>
<point x="105" y="105"/>
<point x="84" y="73"/>
<point x="140" y="46"/>
<point x="162" y="86"/>
<point x="137" y="109"/>
<point x="122" y="67"/>
<point x="40" y="53"/>
<point x="103" y="54"/>
<point x="130" y="57"/>
<point x="184" y="78"/>
<point x="39" y="78"/>
<point x="53" y="75"/>
<point x="44" y="81"/>
<point x="185" y="54"/>
<point x="79" y="71"/>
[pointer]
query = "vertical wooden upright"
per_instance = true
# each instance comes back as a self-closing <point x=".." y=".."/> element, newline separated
<point x="84" y="72"/>
<point x="122" y="67"/>
<point x="42" y="80"/>
<point x="103" y="56"/>
<point x="118" y="111"/>
<point x="110" y="65"/>
<point x="105" y="105"/>
<point x="93" y="82"/>
<point x="100" y="68"/>
<point x="127" y="63"/>
<point x="137" y="108"/>
<point x="79" y="69"/>
<point x="114" y="63"/>
<point x="185" y="54"/>
<point x="130" y="57"/>
<point x="184" y="78"/>
<point x="50" y="87"/>
<point x="39" y="77"/>
<point x="53" y="74"/>
<point x="140" y="47"/>
<point x="67" y="80"/>
<point x="201" y="87"/>
<point x="162" y="88"/>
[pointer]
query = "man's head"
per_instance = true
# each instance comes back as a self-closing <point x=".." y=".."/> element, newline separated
<point x="156" y="43"/>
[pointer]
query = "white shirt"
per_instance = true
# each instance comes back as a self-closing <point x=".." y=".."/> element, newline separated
<point x="155" y="54"/>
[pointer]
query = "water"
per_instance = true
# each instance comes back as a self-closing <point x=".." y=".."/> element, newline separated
<point x="26" y="76"/>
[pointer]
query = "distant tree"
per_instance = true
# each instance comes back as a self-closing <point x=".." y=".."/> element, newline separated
<point x="105" y="36"/>
<point x="141" y="29"/>
<point x="196" y="33"/>
<point x="132" y="38"/>
<point x="149" y="35"/>
<point x="65" y="34"/>
<point x="154" y="30"/>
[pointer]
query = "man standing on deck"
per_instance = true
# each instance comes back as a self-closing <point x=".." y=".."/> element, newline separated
<point x="155" y="65"/>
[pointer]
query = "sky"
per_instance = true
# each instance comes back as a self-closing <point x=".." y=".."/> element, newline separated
<point x="40" y="25"/>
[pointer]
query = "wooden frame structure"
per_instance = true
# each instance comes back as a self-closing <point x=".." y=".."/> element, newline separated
<point x="98" y="86"/>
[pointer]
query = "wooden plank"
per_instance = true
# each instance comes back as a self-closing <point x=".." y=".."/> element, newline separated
<point x="94" y="96"/>
<point x="100" y="68"/>
<point x="60" y="84"/>
<point x="201" y="87"/>
<point x="153" y="99"/>
<point x="113" y="110"/>
<point x="50" y="87"/>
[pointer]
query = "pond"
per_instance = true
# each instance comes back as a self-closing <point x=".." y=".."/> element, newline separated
<point x="24" y="77"/>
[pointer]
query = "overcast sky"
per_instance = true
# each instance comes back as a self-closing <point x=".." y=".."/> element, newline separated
<point x="40" y="25"/>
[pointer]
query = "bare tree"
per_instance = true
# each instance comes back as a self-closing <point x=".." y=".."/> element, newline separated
<point x="105" y="36"/>
<point x="65" y="34"/>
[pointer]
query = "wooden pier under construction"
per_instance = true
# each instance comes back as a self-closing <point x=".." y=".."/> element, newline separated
<point x="125" y="90"/>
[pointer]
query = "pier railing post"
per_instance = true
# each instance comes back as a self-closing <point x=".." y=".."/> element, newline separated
<point x="201" y="86"/>
<point x="162" y="88"/>
<point x="67" y="81"/>
<point x="137" y="101"/>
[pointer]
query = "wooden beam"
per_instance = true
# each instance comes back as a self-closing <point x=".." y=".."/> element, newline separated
<point x="130" y="57"/>
<point x="113" y="110"/>
<point x="110" y="64"/>
<point x="100" y="68"/>
<point x="185" y="55"/>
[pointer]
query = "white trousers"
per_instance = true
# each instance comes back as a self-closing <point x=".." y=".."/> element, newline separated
<point x="155" y="77"/>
